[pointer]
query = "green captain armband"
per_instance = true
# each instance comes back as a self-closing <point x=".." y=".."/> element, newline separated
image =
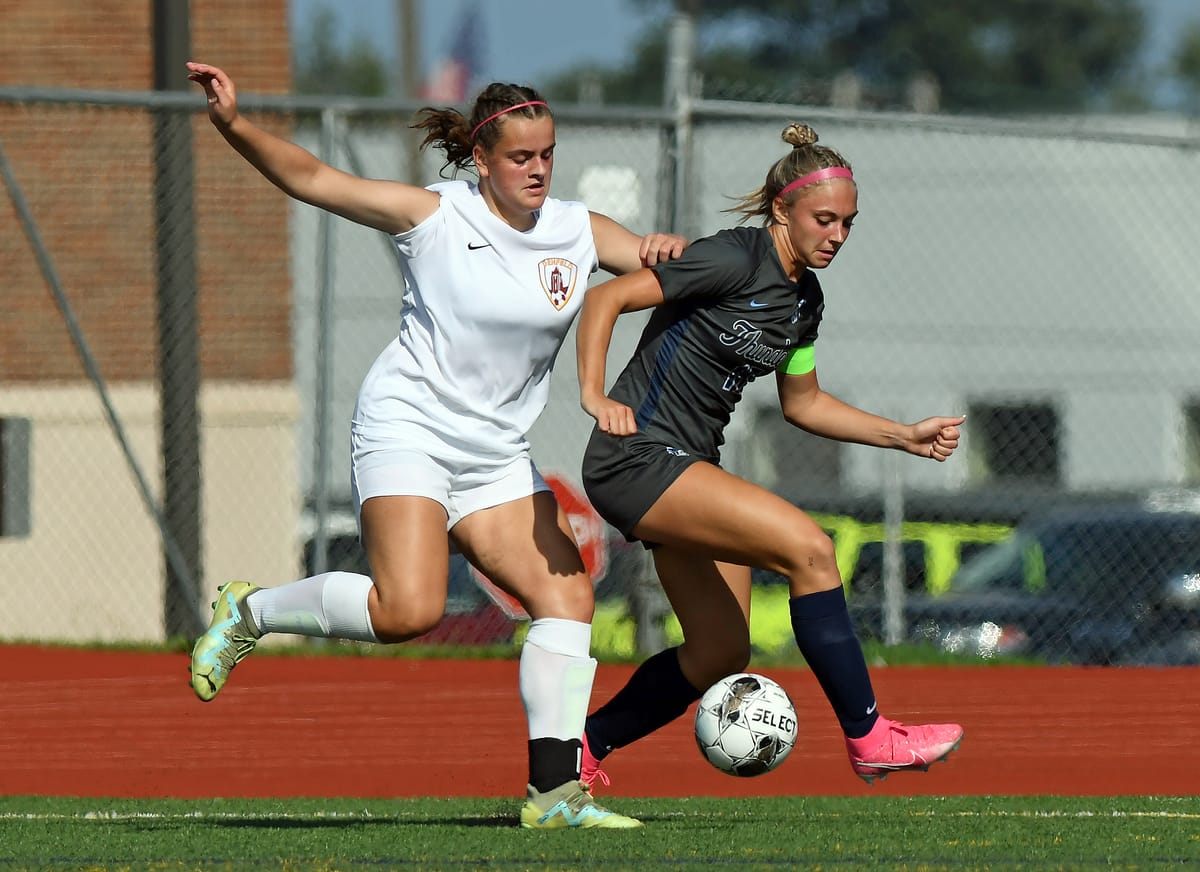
<point x="800" y="361"/>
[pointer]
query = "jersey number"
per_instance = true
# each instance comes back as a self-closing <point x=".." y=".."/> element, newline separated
<point x="737" y="379"/>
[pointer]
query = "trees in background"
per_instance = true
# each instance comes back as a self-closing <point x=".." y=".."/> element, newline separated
<point x="323" y="66"/>
<point x="976" y="55"/>
<point x="1187" y="65"/>
<point x="970" y="56"/>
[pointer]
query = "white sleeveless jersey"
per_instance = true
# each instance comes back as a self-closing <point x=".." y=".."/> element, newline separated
<point x="485" y="310"/>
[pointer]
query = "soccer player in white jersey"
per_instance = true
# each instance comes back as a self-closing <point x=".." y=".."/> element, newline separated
<point x="494" y="274"/>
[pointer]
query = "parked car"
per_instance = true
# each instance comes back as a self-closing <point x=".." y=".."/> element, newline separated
<point x="1090" y="586"/>
<point x="1180" y="650"/>
<point x="932" y="551"/>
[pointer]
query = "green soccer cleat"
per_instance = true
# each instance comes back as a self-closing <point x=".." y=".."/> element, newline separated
<point x="228" y="639"/>
<point x="570" y="805"/>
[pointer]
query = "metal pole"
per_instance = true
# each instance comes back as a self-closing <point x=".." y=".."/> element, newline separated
<point x="677" y="88"/>
<point x="178" y="333"/>
<point x="650" y="608"/>
<point x="324" y="351"/>
<point x="893" y="550"/>
<point x="409" y="68"/>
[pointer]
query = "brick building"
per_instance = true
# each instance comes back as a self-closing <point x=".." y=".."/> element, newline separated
<point x="86" y="170"/>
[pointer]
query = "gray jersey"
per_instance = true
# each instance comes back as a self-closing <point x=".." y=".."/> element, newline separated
<point x="731" y="314"/>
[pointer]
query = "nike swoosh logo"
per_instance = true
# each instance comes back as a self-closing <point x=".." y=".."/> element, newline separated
<point x="871" y="710"/>
<point x="472" y="246"/>
<point x="210" y="658"/>
<point x="572" y="818"/>
<point x="917" y="760"/>
<point x="755" y="304"/>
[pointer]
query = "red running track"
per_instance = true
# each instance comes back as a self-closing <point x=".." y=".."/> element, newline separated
<point x="116" y="724"/>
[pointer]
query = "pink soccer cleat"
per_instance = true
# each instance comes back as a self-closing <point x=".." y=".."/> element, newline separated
<point x="892" y="746"/>
<point x="590" y="771"/>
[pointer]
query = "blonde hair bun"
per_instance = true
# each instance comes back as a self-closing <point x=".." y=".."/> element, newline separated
<point x="798" y="135"/>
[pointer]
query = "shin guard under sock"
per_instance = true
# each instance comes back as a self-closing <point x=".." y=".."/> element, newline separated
<point x="656" y="694"/>
<point x="827" y="640"/>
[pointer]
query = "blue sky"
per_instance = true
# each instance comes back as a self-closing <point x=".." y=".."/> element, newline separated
<point x="530" y="40"/>
<point x="524" y="40"/>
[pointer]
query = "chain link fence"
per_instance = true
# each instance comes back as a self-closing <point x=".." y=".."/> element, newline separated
<point x="182" y="346"/>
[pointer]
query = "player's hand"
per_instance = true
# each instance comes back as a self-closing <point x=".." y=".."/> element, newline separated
<point x="613" y="418"/>
<point x="935" y="438"/>
<point x="660" y="247"/>
<point x="218" y="88"/>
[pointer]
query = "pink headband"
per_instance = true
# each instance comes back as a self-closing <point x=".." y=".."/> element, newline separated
<point x="505" y="112"/>
<point x="818" y="176"/>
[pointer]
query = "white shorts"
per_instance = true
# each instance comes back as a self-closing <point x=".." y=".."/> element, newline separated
<point x="462" y="487"/>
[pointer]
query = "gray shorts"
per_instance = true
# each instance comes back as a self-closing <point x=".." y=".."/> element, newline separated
<point x="625" y="475"/>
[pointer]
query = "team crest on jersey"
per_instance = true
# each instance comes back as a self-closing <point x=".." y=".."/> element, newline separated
<point x="558" y="279"/>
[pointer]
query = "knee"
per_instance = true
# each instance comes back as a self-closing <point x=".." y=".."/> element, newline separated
<point x="580" y="600"/>
<point x="571" y="599"/>
<point x="709" y="665"/>
<point x="398" y="619"/>
<point x="811" y="564"/>
<point x="734" y="660"/>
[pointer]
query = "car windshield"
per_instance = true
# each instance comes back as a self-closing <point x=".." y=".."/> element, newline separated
<point x="996" y="568"/>
<point x="1120" y="552"/>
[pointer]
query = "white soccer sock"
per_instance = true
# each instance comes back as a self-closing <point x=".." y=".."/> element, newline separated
<point x="330" y="605"/>
<point x="556" y="675"/>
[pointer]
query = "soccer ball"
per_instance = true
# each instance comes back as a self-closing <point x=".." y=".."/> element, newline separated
<point x="745" y="724"/>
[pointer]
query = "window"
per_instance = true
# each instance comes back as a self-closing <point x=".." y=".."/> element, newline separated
<point x="14" y="476"/>
<point x="1015" y="442"/>
<point x="1191" y="442"/>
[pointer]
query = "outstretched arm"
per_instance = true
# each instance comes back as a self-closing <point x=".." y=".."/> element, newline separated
<point x="392" y="207"/>
<point x="622" y="251"/>
<point x="811" y="409"/>
<point x="602" y="306"/>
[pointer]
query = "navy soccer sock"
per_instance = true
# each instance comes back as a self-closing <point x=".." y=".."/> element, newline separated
<point x="656" y="694"/>
<point x="826" y="638"/>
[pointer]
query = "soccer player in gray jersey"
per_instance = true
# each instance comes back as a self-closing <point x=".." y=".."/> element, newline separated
<point x="494" y="274"/>
<point x="737" y="305"/>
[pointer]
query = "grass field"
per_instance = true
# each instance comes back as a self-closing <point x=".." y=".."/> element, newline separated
<point x="78" y="728"/>
<point x="924" y="833"/>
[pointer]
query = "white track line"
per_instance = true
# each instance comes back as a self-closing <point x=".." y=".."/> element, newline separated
<point x="367" y="815"/>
